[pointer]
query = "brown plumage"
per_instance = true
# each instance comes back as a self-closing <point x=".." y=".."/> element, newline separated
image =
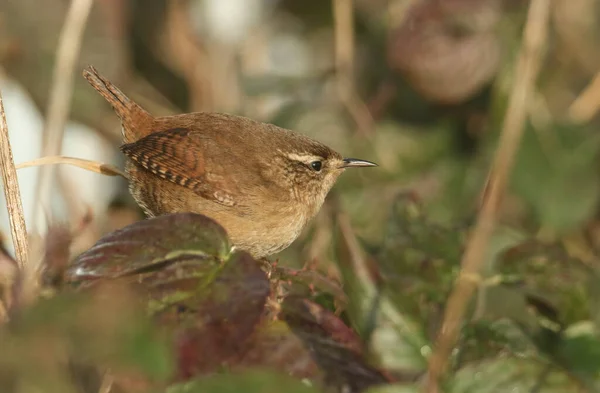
<point x="262" y="183"/>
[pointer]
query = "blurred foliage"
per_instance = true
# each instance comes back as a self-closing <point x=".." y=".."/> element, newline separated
<point x="165" y="304"/>
<point x="556" y="174"/>
<point x="63" y="344"/>
<point x="252" y="381"/>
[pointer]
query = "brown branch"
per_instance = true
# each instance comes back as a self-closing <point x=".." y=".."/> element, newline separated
<point x="12" y="193"/>
<point x="59" y="102"/>
<point x="527" y="68"/>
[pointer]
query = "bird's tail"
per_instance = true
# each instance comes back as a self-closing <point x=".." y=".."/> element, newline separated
<point x="130" y="113"/>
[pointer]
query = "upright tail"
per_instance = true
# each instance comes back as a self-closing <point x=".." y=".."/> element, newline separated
<point x="133" y="116"/>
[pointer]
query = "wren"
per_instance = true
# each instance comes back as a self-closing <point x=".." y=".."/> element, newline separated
<point x="262" y="183"/>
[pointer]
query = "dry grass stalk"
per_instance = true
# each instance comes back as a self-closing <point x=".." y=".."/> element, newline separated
<point x="88" y="165"/>
<point x="12" y="193"/>
<point x="343" y="18"/>
<point x="529" y="62"/>
<point x="189" y="55"/>
<point x="343" y="21"/>
<point x="587" y="104"/>
<point x="61" y="93"/>
<point x="107" y="383"/>
<point x="356" y="254"/>
<point x="68" y="185"/>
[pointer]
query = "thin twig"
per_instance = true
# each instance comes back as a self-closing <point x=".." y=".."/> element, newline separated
<point x="190" y="55"/>
<point x="107" y="383"/>
<point x="12" y="193"/>
<point x="343" y="20"/>
<point x="588" y="103"/>
<point x="357" y="256"/>
<point x="61" y="93"/>
<point x="528" y="65"/>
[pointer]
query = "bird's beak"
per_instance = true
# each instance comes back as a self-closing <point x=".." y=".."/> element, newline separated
<point x="355" y="162"/>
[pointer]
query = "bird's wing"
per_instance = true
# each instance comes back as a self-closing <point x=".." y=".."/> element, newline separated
<point x="174" y="156"/>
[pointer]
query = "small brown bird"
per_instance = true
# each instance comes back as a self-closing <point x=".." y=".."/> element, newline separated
<point x="262" y="183"/>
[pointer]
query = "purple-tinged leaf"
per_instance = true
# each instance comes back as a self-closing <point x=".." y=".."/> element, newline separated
<point x="213" y="326"/>
<point x="335" y="347"/>
<point x="151" y="244"/>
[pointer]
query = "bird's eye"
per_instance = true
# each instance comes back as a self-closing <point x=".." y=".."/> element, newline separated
<point x="316" y="165"/>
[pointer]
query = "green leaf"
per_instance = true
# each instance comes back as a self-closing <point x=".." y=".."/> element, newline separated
<point x="421" y="257"/>
<point x="396" y="388"/>
<point x="396" y="338"/>
<point x="254" y="381"/>
<point x="104" y="328"/>
<point x="510" y="374"/>
<point x="546" y="271"/>
<point x="139" y="347"/>
<point x="484" y="339"/>
<point x="579" y="351"/>
<point x="555" y="173"/>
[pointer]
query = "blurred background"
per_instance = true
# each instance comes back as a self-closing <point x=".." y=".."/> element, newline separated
<point x="418" y="86"/>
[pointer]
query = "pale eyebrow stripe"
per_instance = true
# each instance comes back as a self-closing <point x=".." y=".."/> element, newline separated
<point x="303" y="157"/>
